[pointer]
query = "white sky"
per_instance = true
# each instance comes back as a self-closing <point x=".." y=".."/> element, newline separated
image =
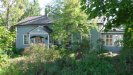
<point x="43" y="3"/>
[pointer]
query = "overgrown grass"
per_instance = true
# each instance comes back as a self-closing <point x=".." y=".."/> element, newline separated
<point x="40" y="61"/>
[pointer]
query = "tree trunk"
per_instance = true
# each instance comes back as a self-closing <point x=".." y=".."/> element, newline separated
<point x="7" y="17"/>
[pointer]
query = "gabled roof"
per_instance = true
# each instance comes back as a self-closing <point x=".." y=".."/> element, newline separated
<point x="49" y="30"/>
<point x="36" y="20"/>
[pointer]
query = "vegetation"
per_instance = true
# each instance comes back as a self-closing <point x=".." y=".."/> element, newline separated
<point x="71" y="17"/>
<point x="54" y="61"/>
<point x="11" y="11"/>
<point x="117" y="12"/>
<point x="21" y="9"/>
<point x="32" y="9"/>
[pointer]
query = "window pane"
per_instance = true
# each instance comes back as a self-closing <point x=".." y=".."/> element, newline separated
<point x="107" y="36"/>
<point x="26" y="39"/>
<point x="109" y="40"/>
<point x="110" y="36"/>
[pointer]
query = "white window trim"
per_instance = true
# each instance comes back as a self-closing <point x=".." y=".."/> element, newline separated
<point x="103" y="36"/>
<point x="105" y="42"/>
<point x="109" y="38"/>
<point x="23" y="39"/>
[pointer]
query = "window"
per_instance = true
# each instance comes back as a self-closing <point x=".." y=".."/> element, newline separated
<point x="112" y="40"/>
<point x="26" y="39"/>
<point x="118" y="40"/>
<point x="109" y="40"/>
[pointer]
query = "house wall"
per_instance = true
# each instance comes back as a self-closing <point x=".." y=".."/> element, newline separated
<point x="95" y="35"/>
<point x="114" y="38"/>
<point x="21" y="30"/>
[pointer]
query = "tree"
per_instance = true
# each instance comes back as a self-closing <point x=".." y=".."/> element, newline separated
<point x="6" y="40"/>
<point x="14" y="10"/>
<point x="54" y="9"/>
<point x="11" y="11"/>
<point x="117" y="12"/>
<point x="71" y="19"/>
<point x="32" y="9"/>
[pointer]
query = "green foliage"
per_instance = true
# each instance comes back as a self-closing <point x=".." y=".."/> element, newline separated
<point x="38" y="58"/>
<point x="128" y="35"/>
<point x="7" y="40"/>
<point x="4" y="59"/>
<point x="80" y="46"/>
<point x="117" y="12"/>
<point x="127" y="61"/>
<point x="69" y="63"/>
<point x="41" y="52"/>
<point x="13" y="10"/>
<point x="32" y="9"/>
<point x="71" y="20"/>
<point x="54" y="9"/>
<point x="114" y="8"/>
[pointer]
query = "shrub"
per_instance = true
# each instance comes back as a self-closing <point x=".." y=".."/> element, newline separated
<point x="127" y="60"/>
<point x="43" y="61"/>
<point x="6" y="40"/>
<point x="34" y="63"/>
<point x="4" y="58"/>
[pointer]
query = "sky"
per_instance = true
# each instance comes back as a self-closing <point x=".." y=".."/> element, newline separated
<point x="43" y="3"/>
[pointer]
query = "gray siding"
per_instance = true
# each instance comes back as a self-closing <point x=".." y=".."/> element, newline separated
<point x="95" y="35"/>
<point x="21" y="30"/>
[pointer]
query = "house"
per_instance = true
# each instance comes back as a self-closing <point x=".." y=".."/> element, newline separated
<point x="37" y="29"/>
<point x="111" y="40"/>
<point x="33" y="30"/>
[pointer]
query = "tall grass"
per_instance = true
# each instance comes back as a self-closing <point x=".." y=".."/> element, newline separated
<point x="43" y="61"/>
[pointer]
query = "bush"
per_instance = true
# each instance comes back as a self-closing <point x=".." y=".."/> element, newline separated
<point x="37" y="57"/>
<point x="42" y="61"/>
<point x="127" y="60"/>
<point x="4" y="58"/>
<point x="6" y="40"/>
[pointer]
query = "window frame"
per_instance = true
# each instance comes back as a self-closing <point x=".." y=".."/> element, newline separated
<point x="24" y="39"/>
<point x="108" y="37"/>
<point x="110" y="40"/>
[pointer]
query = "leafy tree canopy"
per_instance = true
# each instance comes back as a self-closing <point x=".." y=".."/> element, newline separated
<point x="32" y="9"/>
<point x="71" y="19"/>
<point x="13" y="10"/>
<point x="117" y="12"/>
<point x="6" y="40"/>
